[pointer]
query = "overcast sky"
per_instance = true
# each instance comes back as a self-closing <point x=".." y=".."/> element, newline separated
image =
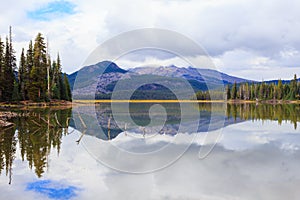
<point x="255" y="39"/>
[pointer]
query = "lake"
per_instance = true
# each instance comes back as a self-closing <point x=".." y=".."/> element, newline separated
<point x="152" y="151"/>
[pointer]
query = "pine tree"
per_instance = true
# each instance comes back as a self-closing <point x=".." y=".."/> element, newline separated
<point x="257" y="88"/>
<point x="298" y="90"/>
<point x="280" y="89"/>
<point x="275" y="89"/>
<point x="286" y="91"/>
<point x="22" y="75"/>
<point x="2" y="47"/>
<point x="9" y="67"/>
<point x="38" y="73"/>
<point x="228" y="92"/>
<point x="262" y="91"/>
<point x="57" y="81"/>
<point x="55" y="86"/>
<point x="247" y="92"/>
<point x="293" y="88"/>
<point x="67" y="88"/>
<point x="62" y="88"/>
<point x="234" y="91"/>
<point x="252" y="91"/>
<point x="16" y="94"/>
<point x="34" y="87"/>
<point x="49" y="95"/>
<point x="28" y="68"/>
<point x="241" y="92"/>
<point x="37" y="80"/>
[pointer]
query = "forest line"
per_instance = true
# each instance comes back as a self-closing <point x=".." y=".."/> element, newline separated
<point x="37" y="78"/>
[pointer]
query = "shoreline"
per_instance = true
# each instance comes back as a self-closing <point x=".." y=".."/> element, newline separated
<point x="85" y="102"/>
<point x="69" y="104"/>
<point x="31" y="104"/>
<point x="270" y="101"/>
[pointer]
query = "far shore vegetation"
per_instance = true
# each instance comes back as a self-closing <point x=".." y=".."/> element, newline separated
<point x="266" y="92"/>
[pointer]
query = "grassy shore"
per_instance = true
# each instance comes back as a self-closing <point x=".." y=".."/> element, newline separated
<point x="67" y="104"/>
<point x="264" y="101"/>
<point x="146" y="101"/>
<point x="52" y="103"/>
<point x="186" y="101"/>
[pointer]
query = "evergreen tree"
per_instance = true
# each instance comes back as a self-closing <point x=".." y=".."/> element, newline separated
<point x="262" y="91"/>
<point x="49" y="95"/>
<point x="228" y="92"/>
<point x="37" y="80"/>
<point x="2" y="47"/>
<point x="246" y="92"/>
<point x="286" y="91"/>
<point x="252" y="91"/>
<point x="28" y="68"/>
<point x="22" y="75"/>
<point x="280" y="89"/>
<point x="38" y="73"/>
<point x="56" y="79"/>
<point x="34" y="87"/>
<point x="241" y="92"/>
<point x="257" y="88"/>
<point x="298" y="90"/>
<point x="275" y="95"/>
<point x="68" y="88"/>
<point x="234" y="91"/>
<point x="9" y="67"/>
<point x="293" y="88"/>
<point x="16" y="94"/>
<point x="55" y="86"/>
<point x="62" y="88"/>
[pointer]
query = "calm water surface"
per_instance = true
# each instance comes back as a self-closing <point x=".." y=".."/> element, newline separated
<point x="52" y="154"/>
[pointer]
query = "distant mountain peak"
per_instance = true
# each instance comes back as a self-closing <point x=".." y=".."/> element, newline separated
<point x="104" y="67"/>
<point x="102" y="76"/>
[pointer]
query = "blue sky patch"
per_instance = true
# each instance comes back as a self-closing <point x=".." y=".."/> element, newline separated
<point x="52" y="10"/>
<point x="52" y="189"/>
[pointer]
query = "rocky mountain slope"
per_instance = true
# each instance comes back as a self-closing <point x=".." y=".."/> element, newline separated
<point x="101" y="78"/>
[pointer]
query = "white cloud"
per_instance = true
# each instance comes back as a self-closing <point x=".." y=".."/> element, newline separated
<point x="265" y="33"/>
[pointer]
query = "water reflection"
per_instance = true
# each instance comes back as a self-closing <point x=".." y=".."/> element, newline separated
<point x="277" y="112"/>
<point x="36" y="133"/>
<point x="223" y="115"/>
<point x="40" y="131"/>
<point x="258" y="153"/>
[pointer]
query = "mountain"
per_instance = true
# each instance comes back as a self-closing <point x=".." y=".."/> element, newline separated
<point x="101" y="79"/>
<point x="88" y="74"/>
<point x="190" y="73"/>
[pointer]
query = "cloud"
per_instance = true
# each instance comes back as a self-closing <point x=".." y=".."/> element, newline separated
<point x="252" y="65"/>
<point x="266" y="31"/>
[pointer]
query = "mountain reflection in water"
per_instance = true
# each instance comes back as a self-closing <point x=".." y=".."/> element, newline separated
<point x="41" y="131"/>
<point x="211" y="117"/>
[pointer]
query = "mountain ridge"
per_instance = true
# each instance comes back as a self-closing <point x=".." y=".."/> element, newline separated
<point x="104" y="76"/>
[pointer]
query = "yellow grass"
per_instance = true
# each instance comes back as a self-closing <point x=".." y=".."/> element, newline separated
<point x="89" y="102"/>
<point x="148" y="101"/>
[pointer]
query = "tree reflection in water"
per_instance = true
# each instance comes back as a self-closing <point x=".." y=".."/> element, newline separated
<point x="35" y="133"/>
<point x="40" y="131"/>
